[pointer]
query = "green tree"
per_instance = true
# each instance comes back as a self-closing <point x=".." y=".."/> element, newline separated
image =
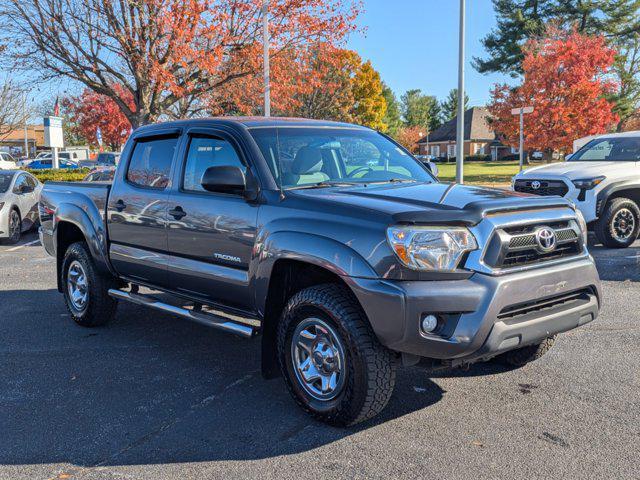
<point x="521" y="20"/>
<point x="517" y="21"/>
<point x="449" y="106"/>
<point x="419" y="110"/>
<point x="392" y="117"/>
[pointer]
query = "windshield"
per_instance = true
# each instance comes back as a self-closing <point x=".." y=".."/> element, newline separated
<point x="312" y="156"/>
<point x="615" y="149"/>
<point x="5" y="181"/>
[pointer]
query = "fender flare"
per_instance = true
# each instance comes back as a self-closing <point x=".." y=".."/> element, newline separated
<point x="603" y="195"/>
<point x="311" y="248"/>
<point x="91" y="225"/>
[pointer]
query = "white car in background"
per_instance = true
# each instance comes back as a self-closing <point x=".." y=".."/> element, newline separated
<point x="602" y="179"/>
<point x="19" y="194"/>
<point x="7" y="162"/>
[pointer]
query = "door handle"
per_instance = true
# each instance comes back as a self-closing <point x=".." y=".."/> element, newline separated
<point x="177" y="213"/>
<point x="120" y="205"/>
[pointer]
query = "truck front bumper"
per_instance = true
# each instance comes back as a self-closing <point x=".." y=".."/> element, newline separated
<point x="484" y="315"/>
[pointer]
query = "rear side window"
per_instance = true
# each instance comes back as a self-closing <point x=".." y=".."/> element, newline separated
<point x="205" y="152"/>
<point x="150" y="163"/>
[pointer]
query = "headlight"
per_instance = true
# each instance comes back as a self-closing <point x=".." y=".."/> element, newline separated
<point x="583" y="226"/>
<point x="431" y="248"/>
<point x="588" y="183"/>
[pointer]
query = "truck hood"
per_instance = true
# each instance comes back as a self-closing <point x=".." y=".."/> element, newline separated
<point x="576" y="170"/>
<point x="433" y="203"/>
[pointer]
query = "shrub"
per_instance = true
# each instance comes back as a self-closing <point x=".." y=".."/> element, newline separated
<point x="62" y="175"/>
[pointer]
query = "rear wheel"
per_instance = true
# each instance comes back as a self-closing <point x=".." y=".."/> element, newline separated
<point x="521" y="356"/>
<point x="619" y="224"/>
<point x="15" y="227"/>
<point x="332" y="362"/>
<point x="86" y="289"/>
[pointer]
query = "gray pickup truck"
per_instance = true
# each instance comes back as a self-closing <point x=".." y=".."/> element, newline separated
<point x="331" y="242"/>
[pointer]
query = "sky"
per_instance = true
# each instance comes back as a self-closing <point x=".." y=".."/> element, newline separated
<point x="414" y="44"/>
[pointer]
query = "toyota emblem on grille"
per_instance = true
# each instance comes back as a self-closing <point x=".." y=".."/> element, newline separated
<point x="535" y="184"/>
<point x="546" y="239"/>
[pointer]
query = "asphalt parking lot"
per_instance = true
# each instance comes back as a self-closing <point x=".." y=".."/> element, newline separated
<point x="152" y="396"/>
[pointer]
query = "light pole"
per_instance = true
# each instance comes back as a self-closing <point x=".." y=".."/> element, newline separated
<point x="265" y="41"/>
<point x="460" y="127"/>
<point x="26" y="137"/>
<point x="521" y="111"/>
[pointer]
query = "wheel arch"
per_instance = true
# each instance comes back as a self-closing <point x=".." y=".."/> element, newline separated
<point x="72" y="224"/>
<point x="629" y="188"/>
<point x="288" y="277"/>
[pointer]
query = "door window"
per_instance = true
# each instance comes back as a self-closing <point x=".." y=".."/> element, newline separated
<point x="150" y="163"/>
<point x="205" y="152"/>
<point x="20" y="181"/>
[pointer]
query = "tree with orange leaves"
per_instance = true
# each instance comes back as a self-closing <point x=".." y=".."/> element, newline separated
<point x="566" y="81"/>
<point x="162" y="51"/>
<point x="90" y="111"/>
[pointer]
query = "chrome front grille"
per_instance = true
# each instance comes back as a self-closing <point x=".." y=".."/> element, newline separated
<point x="519" y="246"/>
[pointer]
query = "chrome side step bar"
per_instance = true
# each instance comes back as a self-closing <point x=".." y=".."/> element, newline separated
<point x="208" y="319"/>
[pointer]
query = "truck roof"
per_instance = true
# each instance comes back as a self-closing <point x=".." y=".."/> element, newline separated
<point x="256" y="122"/>
<point x="633" y="133"/>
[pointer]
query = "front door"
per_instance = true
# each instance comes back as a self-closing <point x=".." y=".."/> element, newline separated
<point x="137" y="211"/>
<point x="210" y="235"/>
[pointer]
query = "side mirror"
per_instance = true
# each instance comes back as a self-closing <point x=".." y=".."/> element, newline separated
<point x="433" y="168"/>
<point x="224" y="179"/>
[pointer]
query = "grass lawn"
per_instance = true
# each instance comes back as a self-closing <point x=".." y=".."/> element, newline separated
<point x="481" y="173"/>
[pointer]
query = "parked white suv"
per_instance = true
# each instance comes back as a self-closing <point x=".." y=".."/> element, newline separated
<point x="602" y="179"/>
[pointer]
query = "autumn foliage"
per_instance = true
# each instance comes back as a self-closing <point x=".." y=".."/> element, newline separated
<point x="566" y="81"/>
<point x="164" y="51"/>
<point x="408" y="137"/>
<point x="90" y="110"/>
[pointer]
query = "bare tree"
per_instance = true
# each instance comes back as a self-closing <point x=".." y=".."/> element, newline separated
<point x="13" y="114"/>
<point x="159" y="50"/>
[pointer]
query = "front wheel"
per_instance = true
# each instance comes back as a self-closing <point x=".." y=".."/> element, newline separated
<point x="619" y="224"/>
<point x="85" y="288"/>
<point x="333" y="364"/>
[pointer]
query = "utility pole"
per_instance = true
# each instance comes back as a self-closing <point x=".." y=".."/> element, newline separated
<point x="265" y="41"/>
<point x="460" y="127"/>
<point x="26" y="135"/>
<point x="521" y="111"/>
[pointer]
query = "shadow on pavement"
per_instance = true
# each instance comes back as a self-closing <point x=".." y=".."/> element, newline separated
<point x="148" y="388"/>
<point x="617" y="264"/>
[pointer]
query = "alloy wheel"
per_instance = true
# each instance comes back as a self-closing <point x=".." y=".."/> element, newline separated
<point x="318" y="359"/>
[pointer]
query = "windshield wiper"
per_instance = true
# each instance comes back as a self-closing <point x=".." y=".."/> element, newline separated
<point x="325" y="184"/>
<point x="395" y="180"/>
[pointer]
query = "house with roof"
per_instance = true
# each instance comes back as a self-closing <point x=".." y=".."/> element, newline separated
<point x="479" y="138"/>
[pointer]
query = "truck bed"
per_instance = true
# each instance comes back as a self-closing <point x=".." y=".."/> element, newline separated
<point x="79" y="193"/>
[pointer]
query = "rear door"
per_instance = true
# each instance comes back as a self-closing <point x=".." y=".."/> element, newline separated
<point x="210" y="235"/>
<point x="137" y="209"/>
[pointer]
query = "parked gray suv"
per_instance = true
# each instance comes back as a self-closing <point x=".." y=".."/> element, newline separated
<point x="331" y="242"/>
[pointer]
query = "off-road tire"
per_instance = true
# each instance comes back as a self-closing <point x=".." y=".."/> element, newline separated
<point x="370" y="367"/>
<point x="604" y="225"/>
<point x="100" y="307"/>
<point x="521" y="356"/>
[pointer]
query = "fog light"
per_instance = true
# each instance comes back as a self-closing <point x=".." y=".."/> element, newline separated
<point x="429" y="323"/>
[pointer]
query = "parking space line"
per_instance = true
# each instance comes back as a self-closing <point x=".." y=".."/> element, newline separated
<point x="13" y="249"/>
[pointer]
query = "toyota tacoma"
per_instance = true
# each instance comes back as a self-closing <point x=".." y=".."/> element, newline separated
<point x="328" y="240"/>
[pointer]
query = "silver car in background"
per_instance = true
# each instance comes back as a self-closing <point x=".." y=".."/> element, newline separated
<point x="19" y="193"/>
